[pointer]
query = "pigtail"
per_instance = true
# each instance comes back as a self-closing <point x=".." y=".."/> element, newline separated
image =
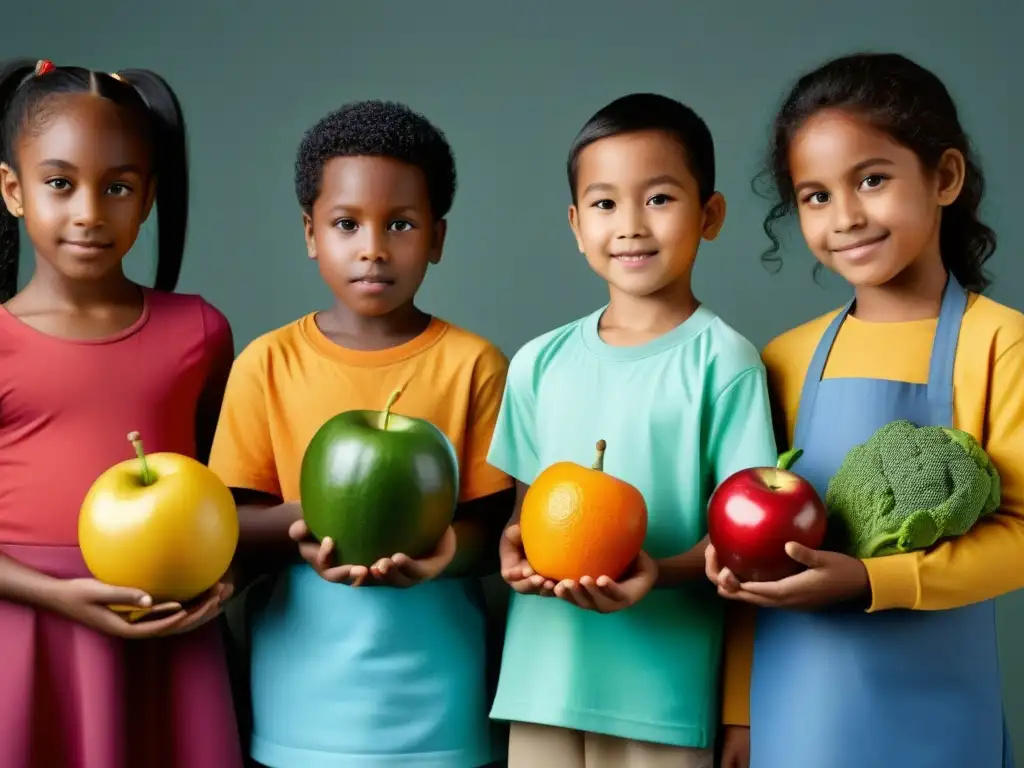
<point x="12" y="74"/>
<point x="170" y="158"/>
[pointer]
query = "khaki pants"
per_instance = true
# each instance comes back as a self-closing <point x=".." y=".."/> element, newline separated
<point x="541" y="746"/>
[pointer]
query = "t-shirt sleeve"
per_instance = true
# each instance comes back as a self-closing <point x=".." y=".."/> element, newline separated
<point x="513" y="447"/>
<point x="741" y="434"/>
<point x="219" y="340"/>
<point x="479" y="478"/>
<point x="984" y="563"/>
<point x="243" y="452"/>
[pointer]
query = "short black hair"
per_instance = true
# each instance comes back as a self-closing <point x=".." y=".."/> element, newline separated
<point x="911" y="104"/>
<point x="651" y="112"/>
<point x="27" y="88"/>
<point x="377" y="129"/>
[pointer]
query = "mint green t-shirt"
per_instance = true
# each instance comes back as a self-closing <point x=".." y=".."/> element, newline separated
<point x="679" y="414"/>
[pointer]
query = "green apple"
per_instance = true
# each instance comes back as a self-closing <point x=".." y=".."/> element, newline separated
<point x="379" y="483"/>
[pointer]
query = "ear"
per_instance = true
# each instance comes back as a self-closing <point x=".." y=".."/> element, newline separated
<point x="714" y="216"/>
<point x="950" y="175"/>
<point x="574" y="224"/>
<point x="307" y="227"/>
<point x="437" y="238"/>
<point x="10" y="187"/>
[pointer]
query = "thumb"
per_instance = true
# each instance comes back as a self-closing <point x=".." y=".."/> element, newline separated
<point x="513" y="534"/>
<point x="111" y="595"/>
<point x="804" y="555"/>
<point x="298" y="530"/>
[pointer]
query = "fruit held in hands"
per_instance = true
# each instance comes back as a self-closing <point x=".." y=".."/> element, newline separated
<point x="379" y="483"/>
<point x="163" y="523"/>
<point x="753" y="513"/>
<point x="580" y="521"/>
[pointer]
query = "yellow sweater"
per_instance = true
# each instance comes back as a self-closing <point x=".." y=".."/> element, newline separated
<point x="988" y="402"/>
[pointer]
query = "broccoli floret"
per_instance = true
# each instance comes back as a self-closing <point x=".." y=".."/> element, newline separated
<point x="907" y="487"/>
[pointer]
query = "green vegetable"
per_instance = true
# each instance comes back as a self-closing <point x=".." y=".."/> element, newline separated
<point x="907" y="487"/>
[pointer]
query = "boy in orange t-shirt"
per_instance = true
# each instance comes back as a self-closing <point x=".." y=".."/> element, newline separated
<point x="347" y="663"/>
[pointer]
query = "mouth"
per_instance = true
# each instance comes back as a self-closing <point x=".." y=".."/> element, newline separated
<point x="94" y="246"/>
<point x="634" y="258"/>
<point x="372" y="283"/>
<point x="860" y="248"/>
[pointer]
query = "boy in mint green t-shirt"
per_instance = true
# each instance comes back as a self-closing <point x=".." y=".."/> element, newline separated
<point x="627" y="674"/>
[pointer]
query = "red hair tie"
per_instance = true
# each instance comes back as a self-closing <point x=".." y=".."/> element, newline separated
<point x="43" y="66"/>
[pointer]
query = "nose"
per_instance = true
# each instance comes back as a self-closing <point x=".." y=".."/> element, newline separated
<point x="631" y="222"/>
<point x="847" y="213"/>
<point x="88" y="208"/>
<point x="373" y="245"/>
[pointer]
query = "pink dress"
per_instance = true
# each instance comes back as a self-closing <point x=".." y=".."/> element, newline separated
<point x="71" y="697"/>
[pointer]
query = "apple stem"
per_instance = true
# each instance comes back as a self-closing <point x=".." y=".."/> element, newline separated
<point x="599" y="462"/>
<point x="788" y="459"/>
<point x="135" y="439"/>
<point x="389" y="404"/>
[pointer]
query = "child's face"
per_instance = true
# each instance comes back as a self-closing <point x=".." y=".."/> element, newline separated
<point x="372" y="232"/>
<point x="639" y="219"/>
<point x="867" y="207"/>
<point x="83" y="185"/>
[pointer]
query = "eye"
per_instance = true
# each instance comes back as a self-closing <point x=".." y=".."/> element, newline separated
<point x="401" y="226"/>
<point x="603" y="205"/>
<point x="347" y="225"/>
<point x="59" y="184"/>
<point x="873" y="181"/>
<point x="816" y="198"/>
<point x="120" y="189"/>
<point x="661" y="199"/>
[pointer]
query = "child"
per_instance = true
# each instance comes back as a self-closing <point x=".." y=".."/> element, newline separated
<point x="902" y="667"/>
<point x="87" y="356"/>
<point x="348" y="667"/>
<point x="597" y="673"/>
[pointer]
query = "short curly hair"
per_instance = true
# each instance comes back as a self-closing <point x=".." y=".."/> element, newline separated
<point x="377" y="129"/>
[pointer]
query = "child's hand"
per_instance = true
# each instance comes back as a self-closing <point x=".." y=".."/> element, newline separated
<point x="402" y="571"/>
<point x="606" y="596"/>
<point x="828" y="578"/>
<point x="128" y="613"/>
<point x="736" y="747"/>
<point x="516" y="571"/>
<point x="318" y="555"/>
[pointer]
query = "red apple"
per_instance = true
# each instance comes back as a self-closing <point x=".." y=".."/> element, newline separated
<point x="754" y="512"/>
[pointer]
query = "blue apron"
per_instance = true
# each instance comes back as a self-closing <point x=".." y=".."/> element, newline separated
<point x="842" y="688"/>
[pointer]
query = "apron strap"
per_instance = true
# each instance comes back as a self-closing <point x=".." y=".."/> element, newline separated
<point x="815" y="370"/>
<point x="940" y="368"/>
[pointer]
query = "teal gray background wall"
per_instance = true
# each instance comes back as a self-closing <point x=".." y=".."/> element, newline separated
<point x="511" y="83"/>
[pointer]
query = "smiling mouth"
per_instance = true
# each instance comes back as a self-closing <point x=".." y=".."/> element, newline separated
<point x="634" y="257"/>
<point x="861" y="245"/>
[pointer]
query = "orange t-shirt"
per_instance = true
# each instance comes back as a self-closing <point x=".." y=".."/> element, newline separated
<point x="288" y="382"/>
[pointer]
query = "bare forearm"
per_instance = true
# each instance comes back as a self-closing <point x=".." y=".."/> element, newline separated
<point x="478" y="528"/>
<point x="263" y="542"/>
<point x="21" y="584"/>
<point x="684" y="568"/>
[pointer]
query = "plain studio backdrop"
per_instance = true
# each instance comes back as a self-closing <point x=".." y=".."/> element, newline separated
<point x="511" y="83"/>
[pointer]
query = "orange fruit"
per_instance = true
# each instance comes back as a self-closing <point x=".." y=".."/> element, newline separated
<point x="580" y="521"/>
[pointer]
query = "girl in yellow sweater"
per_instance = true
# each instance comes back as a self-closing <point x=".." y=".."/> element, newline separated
<point x="890" y="660"/>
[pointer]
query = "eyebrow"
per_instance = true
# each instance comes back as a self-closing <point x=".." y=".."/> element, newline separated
<point x="400" y="209"/>
<point x="64" y="165"/>
<point x="856" y="169"/>
<point x="665" y="178"/>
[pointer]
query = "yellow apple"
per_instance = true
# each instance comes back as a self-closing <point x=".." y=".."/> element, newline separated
<point x="163" y="523"/>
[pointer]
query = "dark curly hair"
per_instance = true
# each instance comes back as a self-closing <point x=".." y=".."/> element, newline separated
<point x="377" y="129"/>
<point x="650" y="112"/>
<point x="912" y="105"/>
<point x="25" y="99"/>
